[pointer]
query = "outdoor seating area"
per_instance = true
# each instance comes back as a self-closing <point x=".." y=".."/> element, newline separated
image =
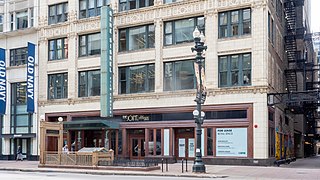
<point x="84" y="157"/>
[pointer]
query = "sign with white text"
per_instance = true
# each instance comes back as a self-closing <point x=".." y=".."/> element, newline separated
<point x="3" y="81"/>
<point x="231" y="142"/>
<point x="30" y="77"/>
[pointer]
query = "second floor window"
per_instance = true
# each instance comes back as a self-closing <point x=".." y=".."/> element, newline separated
<point x="58" y="49"/>
<point x="58" y="13"/>
<point x="18" y="56"/>
<point x="91" y="8"/>
<point x="89" y="44"/>
<point x="125" y="5"/>
<point x="179" y="75"/>
<point x="89" y="83"/>
<point x="235" y="70"/>
<point x="136" y="79"/>
<point x="234" y="23"/>
<point x="136" y="38"/>
<point x="180" y="31"/>
<point x="58" y="86"/>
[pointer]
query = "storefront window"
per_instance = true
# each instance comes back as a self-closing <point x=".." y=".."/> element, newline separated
<point x="158" y="142"/>
<point x="209" y="142"/>
<point x="151" y="142"/>
<point x="119" y="142"/>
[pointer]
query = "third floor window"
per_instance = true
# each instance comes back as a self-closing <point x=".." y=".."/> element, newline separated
<point x="234" y="23"/>
<point x="58" y="49"/>
<point x="89" y="83"/>
<point x="89" y="44"/>
<point x="180" y="31"/>
<point x="58" y="86"/>
<point x="58" y="13"/>
<point x="136" y="38"/>
<point x="22" y="19"/>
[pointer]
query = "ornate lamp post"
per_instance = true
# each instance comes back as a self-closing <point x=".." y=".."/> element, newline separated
<point x="199" y="47"/>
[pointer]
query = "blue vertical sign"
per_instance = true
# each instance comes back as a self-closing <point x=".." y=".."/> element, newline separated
<point x="30" y="77"/>
<point x="106" y="95"/>
<point x="3" y="81"/>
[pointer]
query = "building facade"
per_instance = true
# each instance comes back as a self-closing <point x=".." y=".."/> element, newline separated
<point x="154" y="84"/>
<point x="19" y="127"/>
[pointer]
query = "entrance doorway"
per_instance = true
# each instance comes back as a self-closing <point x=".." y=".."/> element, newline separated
<point x="25" y="147"/>
<point x="137" y="147"/>
<point x="184" y="143"/>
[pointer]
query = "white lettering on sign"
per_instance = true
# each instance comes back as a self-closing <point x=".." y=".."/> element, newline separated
<point x="30" y="78"/>
<point x="2" y="81"/>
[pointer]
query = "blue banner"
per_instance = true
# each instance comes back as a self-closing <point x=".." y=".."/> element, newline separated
<point x="30" y="77"/>
<point x="3" y="81"/>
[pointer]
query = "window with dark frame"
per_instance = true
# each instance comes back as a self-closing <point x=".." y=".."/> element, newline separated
<point x="125" y="5"/>
<point x="135" y="38"/>
<point x="136" y="79"/>
<point x="179" y="75"/>
<point x="18" y="56"/>
<point x="180" y="31"/>
<point x="89" y="83"/>
<point x="58" y="13"/>
<point x="58" y="86"/>
<point x="234" y="23"/>
<point x="91" y="8"/>
<point x="22" y="20"/>
<point x="89" y="44"/>
<point x="235" y="70"/>
<point x="20" y="122"/>
<point x="58" y="49"/>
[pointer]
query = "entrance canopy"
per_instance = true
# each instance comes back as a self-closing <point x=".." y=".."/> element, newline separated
<point x="90" y="125"/>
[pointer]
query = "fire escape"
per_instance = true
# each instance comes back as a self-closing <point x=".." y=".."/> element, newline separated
<point x="302" y="73"/>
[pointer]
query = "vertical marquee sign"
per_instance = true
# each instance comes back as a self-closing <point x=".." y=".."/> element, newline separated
<point x="30" y="77"/>
<point x="3" y="81"/>
<point x="106" y="95"/>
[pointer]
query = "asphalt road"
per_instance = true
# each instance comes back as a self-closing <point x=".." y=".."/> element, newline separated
<point x="14" y="175"/>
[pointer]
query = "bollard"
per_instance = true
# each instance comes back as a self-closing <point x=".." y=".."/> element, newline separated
<point x="186" y="165"/>
<point x="182" y="165"/>
<point x="166" y="165"/>
<point x="162" y="164"/>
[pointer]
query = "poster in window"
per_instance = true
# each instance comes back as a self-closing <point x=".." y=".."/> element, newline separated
<point x="231" y="142"/>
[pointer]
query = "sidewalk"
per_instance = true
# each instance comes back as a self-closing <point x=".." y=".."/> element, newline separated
<point x="212" y="171"/>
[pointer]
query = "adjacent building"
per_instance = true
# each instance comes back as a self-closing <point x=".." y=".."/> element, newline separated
<point x="18" y="24"/>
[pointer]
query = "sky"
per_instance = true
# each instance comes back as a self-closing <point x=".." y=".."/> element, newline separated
<point x="315" y="15"/>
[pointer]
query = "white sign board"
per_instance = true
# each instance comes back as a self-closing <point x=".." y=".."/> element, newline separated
<point x="182" y="147"/>
<point x="231" y="142"/>
<point x="191" y="147"/>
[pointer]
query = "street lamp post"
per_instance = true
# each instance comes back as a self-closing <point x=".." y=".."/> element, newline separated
<point x="199" y="47"/>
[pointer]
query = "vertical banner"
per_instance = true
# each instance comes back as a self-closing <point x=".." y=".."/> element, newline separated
<point x="30" y="77"/>
<point x="106" y="59"/>
<point x="203" y="78"/>
<point x="3" y="81"/>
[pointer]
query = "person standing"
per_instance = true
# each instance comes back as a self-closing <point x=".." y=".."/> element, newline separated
<point x="19" y="154"/>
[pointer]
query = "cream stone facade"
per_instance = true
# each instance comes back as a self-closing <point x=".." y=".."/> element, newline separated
<point x="268" y="63"/>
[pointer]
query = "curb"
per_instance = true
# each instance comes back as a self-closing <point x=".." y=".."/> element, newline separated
<point x="111" y="173"/>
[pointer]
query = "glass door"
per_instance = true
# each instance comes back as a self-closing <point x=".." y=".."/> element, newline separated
<point x="137" y="148"/>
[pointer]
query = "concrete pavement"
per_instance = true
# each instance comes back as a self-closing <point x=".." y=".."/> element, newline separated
<point x="296" y="170"/>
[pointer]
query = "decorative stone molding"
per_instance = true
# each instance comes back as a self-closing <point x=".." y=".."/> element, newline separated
<point x="238" y="90"/>
<point x="259" y="4"/>
<point x="231" y="3"/>
<point x="90" y="25"/>
<point x="161" y="11"/>
<point x="72" y="16"/>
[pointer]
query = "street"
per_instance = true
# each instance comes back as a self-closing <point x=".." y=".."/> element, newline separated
<point x="11" y="175"/>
